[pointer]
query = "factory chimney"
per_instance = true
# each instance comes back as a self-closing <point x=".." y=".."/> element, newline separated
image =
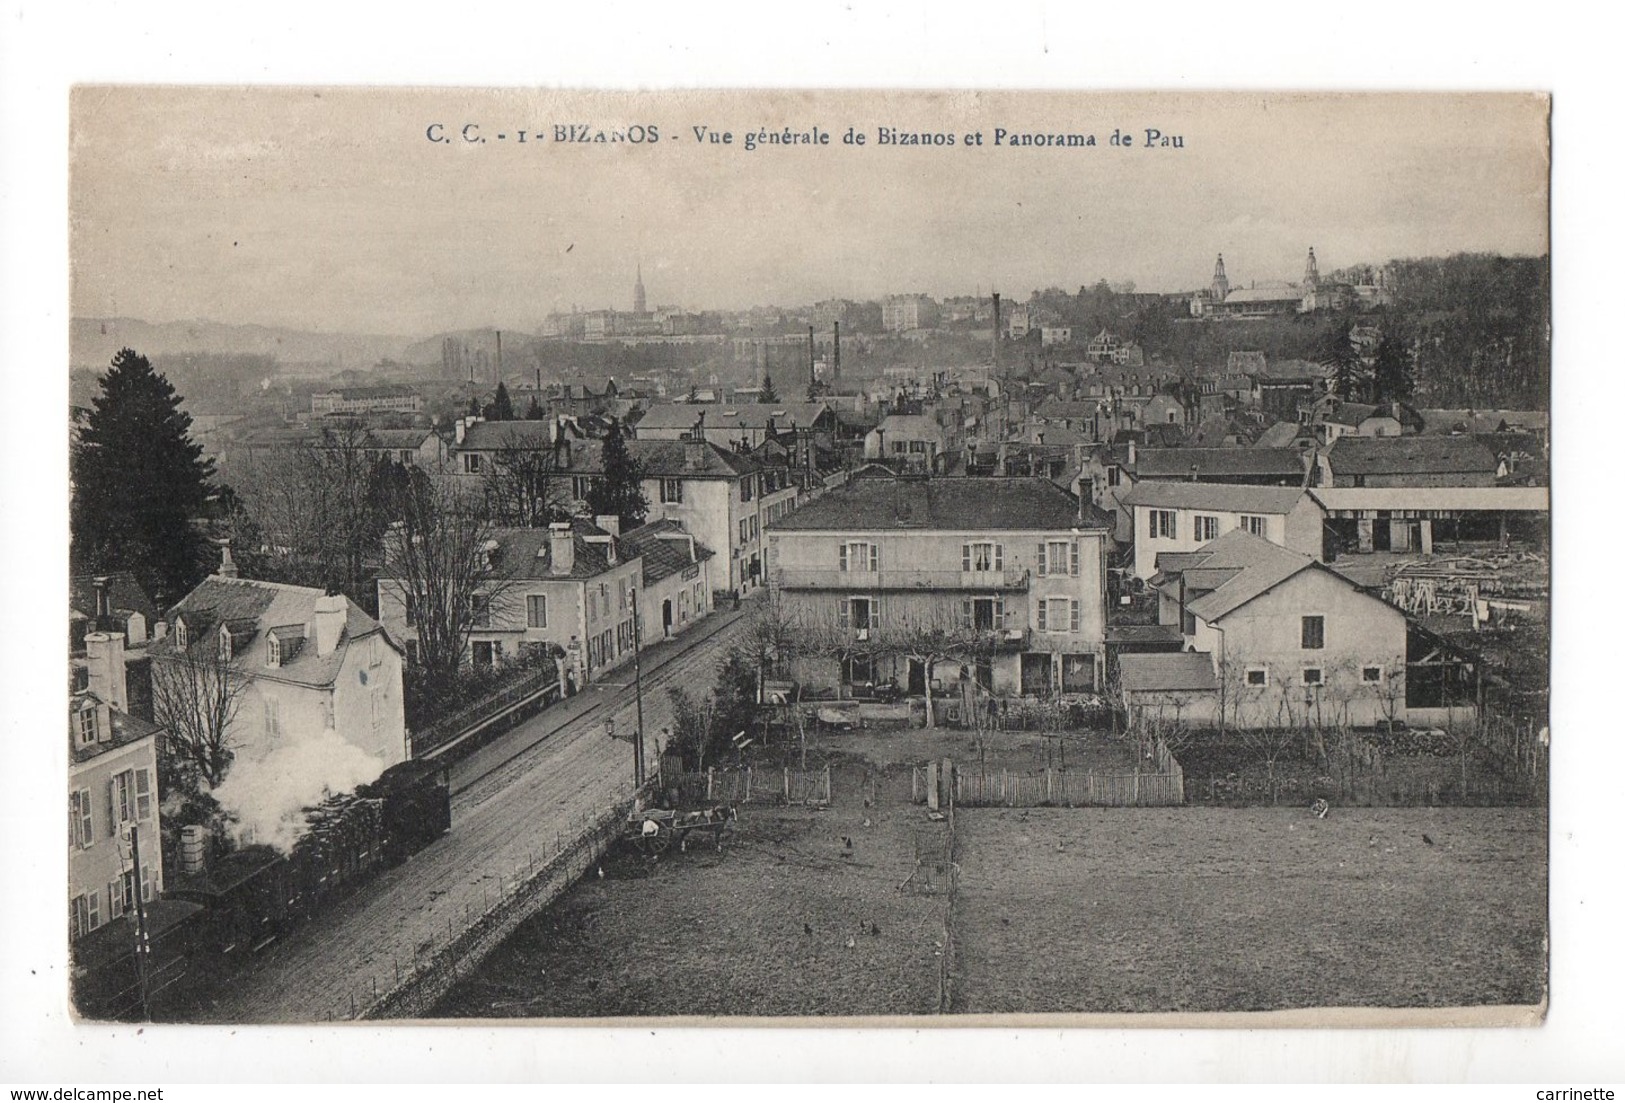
<point x="499" y="356"/>
<point x="835" y="368"/>
<point x="812" y="358"/>
<point x="995" y="333"/>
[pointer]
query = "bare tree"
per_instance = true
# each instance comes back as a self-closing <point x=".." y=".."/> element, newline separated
<point x="520" y="481"/>
<point x="316" y="511"/>
<point x="195" y="697"/>
<point x="693" y="720"/>
<point x="439" y="560"/>
<point x="928" y="636"/>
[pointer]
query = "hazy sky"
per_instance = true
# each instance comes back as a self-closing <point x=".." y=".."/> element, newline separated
<point x="333" y="209"/>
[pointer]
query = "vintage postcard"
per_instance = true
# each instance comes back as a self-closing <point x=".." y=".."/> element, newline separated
<point x="900" y="557"/>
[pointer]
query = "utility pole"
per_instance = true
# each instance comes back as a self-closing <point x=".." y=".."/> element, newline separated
<point x="143" y="945"/>
<point x="639" y="768"/>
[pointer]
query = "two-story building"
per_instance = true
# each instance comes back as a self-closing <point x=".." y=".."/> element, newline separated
<point x="723" y="496"/>
<point x="307" y="662"/>
<point x="115" y="858"/>
<point x="1274" y="639"/>
<point x="919" y="579"/>
<point x="564" y="591"/>
<point x="1182" y="516"/>
<point x="736" y="424"/>
<point x="676" y="592"/>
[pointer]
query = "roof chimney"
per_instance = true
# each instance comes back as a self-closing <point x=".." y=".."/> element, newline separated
<point x="104" y="656"/>
<point x="104" y="609"/>
<point x="561" y="546"/>
<point x="228" y="568"/>
<point x="327" y="622"/>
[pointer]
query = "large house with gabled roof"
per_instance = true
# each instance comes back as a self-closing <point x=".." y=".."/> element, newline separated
<point x="309" y="662"/>
<point x="1272" y="639"/>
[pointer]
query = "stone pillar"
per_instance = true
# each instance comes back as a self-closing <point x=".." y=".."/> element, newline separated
<point x="1427" y="537"/>
<point x="1364" y="526"/>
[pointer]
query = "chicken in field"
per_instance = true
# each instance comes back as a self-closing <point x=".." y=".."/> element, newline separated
<point x="807" y="927"/>
<point x="874" y="929"/>
<point x="600" y="873"/>
<point x="846" y="841"/>
<point x="1427" y="839"/>
<point x="851" y="942"/>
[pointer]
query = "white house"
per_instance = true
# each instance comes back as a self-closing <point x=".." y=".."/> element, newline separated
<point x="309" y="662"/>
<point x="1288" y="641"/>
<point x="1183" y="516"/>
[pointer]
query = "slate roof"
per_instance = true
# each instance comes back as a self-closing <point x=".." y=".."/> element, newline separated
<point x="1409" y="456"/>
<point x="1280" y="435"/>
<point x="1227" y="573"/>
<point x="127" y="729"/>
<point x="1438" y="421"/>
<point x="1188" y="671"/>
<point x="526" y="553"/>
<point x="1216" y="496"/>
<point x="662" y="556"/>
<point x="733" y="415"/>
<point x="490" y="436"/>
<point x="124" y="594"/>
<point x="868" y="502"/>
<point x="252" y="610"/>
<point x="1153" y="463"/>
<point x="657" y="457"/>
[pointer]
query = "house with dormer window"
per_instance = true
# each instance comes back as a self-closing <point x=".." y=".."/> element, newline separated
<point x="307" y="662"/>
<point x="115" y="857"/>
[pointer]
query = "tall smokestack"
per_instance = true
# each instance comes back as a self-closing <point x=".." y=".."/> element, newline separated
<point x="812" y="358"/>
<point x="835" y="370"/>
<point x="995" y="333"/>
<point x="499" y="356"/>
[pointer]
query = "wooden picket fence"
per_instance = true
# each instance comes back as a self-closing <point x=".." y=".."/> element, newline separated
<point x="1161" y="785"/>
<point x="752" y="785"/>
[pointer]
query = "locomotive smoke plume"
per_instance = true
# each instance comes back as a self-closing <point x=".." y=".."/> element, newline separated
<point x="268" y="796"/>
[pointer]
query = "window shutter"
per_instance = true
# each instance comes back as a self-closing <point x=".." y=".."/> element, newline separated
<point x="967" y="613"/>
<point x="1043" y="614"/>
<point x="844" y="566"/>
<point x="964" y="557"/>
<point x="1043" y="556"/>
<point x="95" y="909"/>
<point x="112" y="808"/>
<point x="1074" y="547"/>
<point x="1173" y="525"/>
<point x="1077" y="615"/>
<point x="998" y="557"/>
<point x="874" y="557"/>
<point x="115" y="900"/>
<point x="843" y="614"/>
<point x="143" y="794"/>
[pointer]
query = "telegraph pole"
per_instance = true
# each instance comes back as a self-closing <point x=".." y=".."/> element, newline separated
<point x="143" y="945"/>
<point x="639" y="767"/>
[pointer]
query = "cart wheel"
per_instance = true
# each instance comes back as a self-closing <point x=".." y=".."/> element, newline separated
<point x="659" y="843"/>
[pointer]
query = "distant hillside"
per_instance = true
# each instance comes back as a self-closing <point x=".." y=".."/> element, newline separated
<point x="92" y="342"/>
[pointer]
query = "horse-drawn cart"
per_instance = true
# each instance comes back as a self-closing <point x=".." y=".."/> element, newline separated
<point x="651" y="830"/>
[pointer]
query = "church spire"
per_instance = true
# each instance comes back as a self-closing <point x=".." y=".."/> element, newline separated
<point x="640" y="301"/>
<point x="1221" y="283"/>
<point x="1311" y="271"/>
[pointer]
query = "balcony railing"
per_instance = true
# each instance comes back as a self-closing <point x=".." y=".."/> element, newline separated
<point x="798" y="578"/>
